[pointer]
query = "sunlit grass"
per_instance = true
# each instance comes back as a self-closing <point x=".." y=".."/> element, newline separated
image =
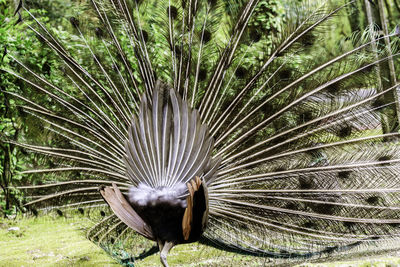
<point x="46" y="241"/>
<point x="54" y="240"/>
<point x="57" y="241"/>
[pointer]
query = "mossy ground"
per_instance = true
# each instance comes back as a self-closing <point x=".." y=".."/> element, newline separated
<point x="57" y="241"/>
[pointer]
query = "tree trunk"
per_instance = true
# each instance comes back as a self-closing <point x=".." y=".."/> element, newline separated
<point x="376" y="16"/>
<point x="6" y="176"/>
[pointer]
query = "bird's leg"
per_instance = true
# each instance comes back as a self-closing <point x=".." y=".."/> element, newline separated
<point x="166" y="248"/>
<point x="160" y="245"/>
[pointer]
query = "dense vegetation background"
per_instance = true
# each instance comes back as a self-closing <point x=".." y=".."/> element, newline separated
<point x="381" y="15"/>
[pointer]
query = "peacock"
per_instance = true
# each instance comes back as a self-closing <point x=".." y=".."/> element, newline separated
<point x="181" y="124"/>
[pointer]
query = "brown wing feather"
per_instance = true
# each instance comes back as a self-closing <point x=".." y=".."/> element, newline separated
<point x="125" y="212"/>
<point x="187" y="220"/>
<point x="188" y="216"/>
<point x="205" y="215"/>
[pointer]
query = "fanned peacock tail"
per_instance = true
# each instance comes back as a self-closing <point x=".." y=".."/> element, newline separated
<point x="290" y="149"/>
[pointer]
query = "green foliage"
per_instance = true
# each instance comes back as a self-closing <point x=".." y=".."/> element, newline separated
<point x="14" y="123"/>
<point x="264" y="25"/>
<point x="267" y="18"/>
<point x="9" y="126"/>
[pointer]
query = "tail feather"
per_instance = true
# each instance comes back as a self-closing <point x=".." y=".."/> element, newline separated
<point x="292" y="148"/>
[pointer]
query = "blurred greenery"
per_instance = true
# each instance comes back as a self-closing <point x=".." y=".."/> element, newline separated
<point x="15" y="125"/>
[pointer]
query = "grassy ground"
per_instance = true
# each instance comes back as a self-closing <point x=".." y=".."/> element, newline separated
<point x="46" y="241"/>
<point x="55" y="241"/>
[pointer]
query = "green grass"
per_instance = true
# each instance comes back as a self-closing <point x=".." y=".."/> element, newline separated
<point x="47" y="241"/>
<point x="53" y="240"/>
<point x="57" y="241"/>
<point x="367" y="262"/>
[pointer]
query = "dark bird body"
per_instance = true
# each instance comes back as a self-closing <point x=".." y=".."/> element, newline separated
<point x="193" y="130"/>
<point x="164" y="221"/>
<point x="167" y="221"/>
